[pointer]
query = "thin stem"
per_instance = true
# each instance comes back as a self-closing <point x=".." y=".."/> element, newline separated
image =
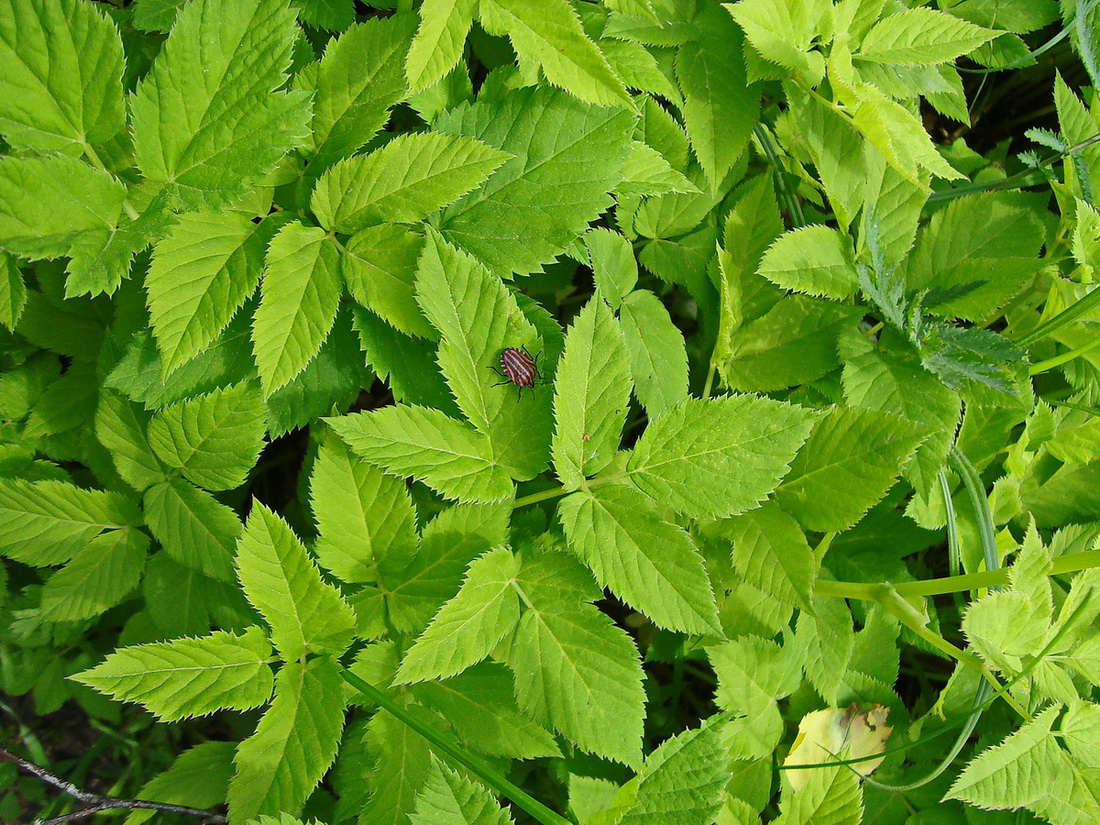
<point x="95" y="803"/>
<point x="535" y="498"/>
<point x="976" y="491"/>
<point x="1058" y="360"/>
<point x="459" y="756"/>
<point x="1066" y="316"/>
<point x="790" y="201"/>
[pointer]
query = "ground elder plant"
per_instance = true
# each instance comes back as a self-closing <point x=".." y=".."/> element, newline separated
<point x="786" y="510"/>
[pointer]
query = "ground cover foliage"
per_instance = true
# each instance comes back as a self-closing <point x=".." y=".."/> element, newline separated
<point x="805" y="491"/>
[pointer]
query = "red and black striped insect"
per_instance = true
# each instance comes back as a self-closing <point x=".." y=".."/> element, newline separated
<point x="517" y="367"/>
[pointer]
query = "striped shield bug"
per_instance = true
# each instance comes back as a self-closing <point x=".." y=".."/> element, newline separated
<point x="517" y="367"/>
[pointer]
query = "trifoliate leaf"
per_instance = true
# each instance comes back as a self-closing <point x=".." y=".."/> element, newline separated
<point x="361" y="514"/>
<point x="649" y="563"/>
<point x="299" y="298"/>
<point x="215" y="439"/>
<point x="444" y="453"/>
<point x="49" y="522"/>
<point x="61" y="66"/>
<point x="188" y="677"/>
<point x="294" y="744"/>
<point x="712" y="458"/>
<point x="470" y="625"/>
<point x="591" y="394"/>
<point x="403" y="182"/>
<point x="549" y="34"/>
<point x="534" y="205"/>
<point x="846" y="466"/>
<point x="306" y="614"/>
<point x="201" y="274"/>
<point x="210" y="134"/>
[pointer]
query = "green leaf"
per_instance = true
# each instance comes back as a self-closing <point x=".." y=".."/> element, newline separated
<point x="683" y="781"/>
<point x="448" y="798"/>
<point x="306" y="614"/>
<point x="61" y="68"/>
<point x="469" y="626"/>
<point x="793" y="343"/>
<point x="1018" y="772"/>
<point x="193" y="527"/>
<point x="591" y="394"/>
<point x="416" y="589"/>
<point x="199" y="777"/>
<point x="480" y="704"/>
<point x="550" y="35"/>
<point x="403" y="182"/>
<point x="402" y="759"/>
<point x="781" y="31"/>
<point x="445" y="454"/>
<point x="333" y="15"/>
<point x="210" y="134"/>
<point x="201" y="274"/>
<point x="439" y="41"/>
<point x="13" y="292"/>
<point x="575" y="670"/>
<point x="977" y="253"/>
<point x="379" y="267"/>
<point x="356" y="81"/>
<point x="658" y="358"/>
<point x="294" y="744"/>
<point x="846" y="466"/>
<point x="477" y="316"/>
<point x="649" y="563"/>
<point x="920" y="37"/>
<point x="68" y="403"/>
<point x="101" y="261"/>
<point x="824" y="641"/>
<point x="48" y="204"/>
<point x="832" y="796"/>
<point x="361" y="514"/>
<point x="49" y="522"/>
<point x="753" y="674"/>
<point x="816" y="260"/>
<point x="188" y="677"/>
<point x="534" y="205"/>
<point x="770" y="552"/>
<point x="887" y="380"/>
<point x="720" y="107"/>
<point x="648" y="173"/>
<point x="299" y="298"/>
<point x="747" y="442"/>
<point x="100" y="576"/>
<point x="213" y="440"/>
<point x="613" y="264"/>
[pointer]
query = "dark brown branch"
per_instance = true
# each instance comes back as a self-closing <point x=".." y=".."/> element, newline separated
<point x="96" y="803"/>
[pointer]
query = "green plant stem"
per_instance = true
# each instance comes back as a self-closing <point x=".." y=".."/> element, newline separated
<point x="789" y="199"/>
<point x="457" y="755"/>
<point x="1069" y="563"/>
<point x="1066" y="316"/>
<point x="1058" y="360"/>
<point x="535" y="498"/>
<point x="973" y="484"/>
